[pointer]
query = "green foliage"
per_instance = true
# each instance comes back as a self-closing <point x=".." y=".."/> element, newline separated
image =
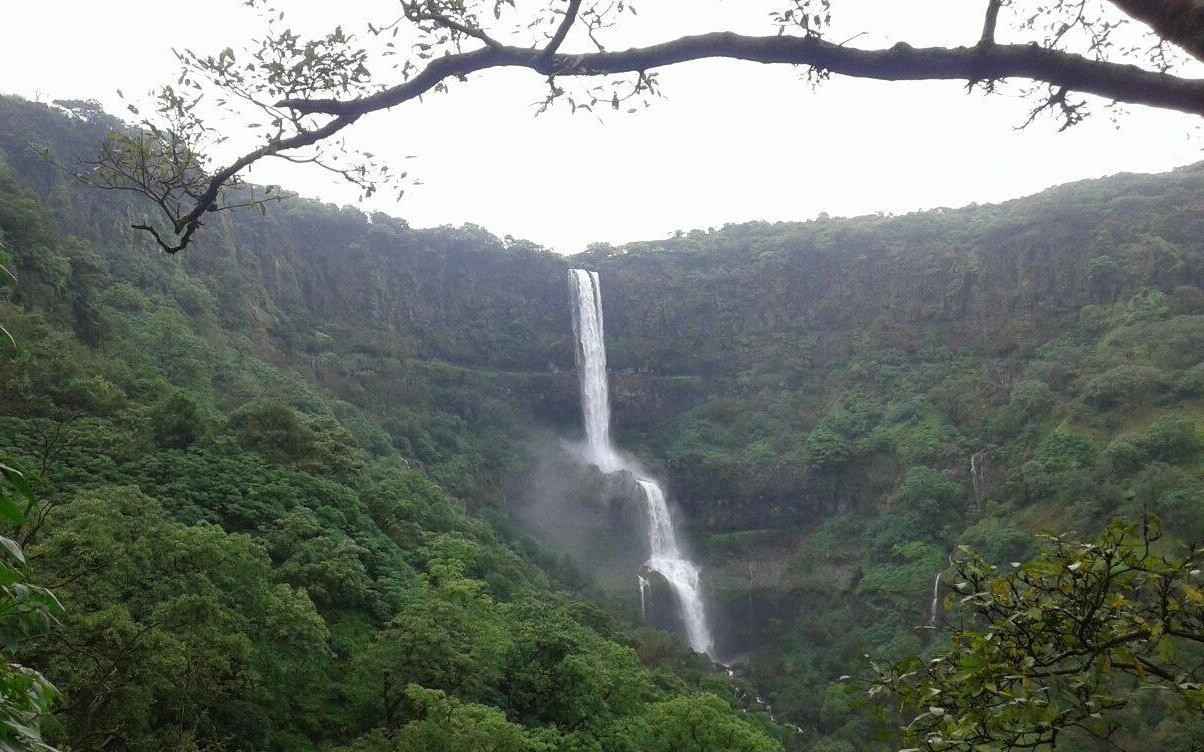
<point x="1171" y="439"/>
<point x="1062" y="450"/>
<point x="1031" y="399"/>
<point x="174" y="630"/>
<point x="1123" y="385"/>
<point x="935" y="500"/>
<point x="1054" y="648"/>
<point x="342" y="407"/>
<point x="177" y="422"/>
<point x="701" y="723"/>
<point x="907" y="571"/>
<point x="274" y="430"/>
<point x="26" y="697"/>
<point x="998" y="541"/>
<point x="827" y="448"/>
<point x="444" y="723"/>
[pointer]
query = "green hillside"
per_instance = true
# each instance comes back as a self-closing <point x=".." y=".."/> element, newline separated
<point x="284" y="478"/>
<point x="269" y="535"/>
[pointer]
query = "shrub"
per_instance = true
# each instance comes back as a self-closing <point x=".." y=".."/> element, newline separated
<point x="1031" y="398"/>
<point x="998" y="541"/>
<point x="1123" y="385"/>
<point x="827" y="448"/>
<point x="274" y="430"/>
<point x="1123" y="456"/>
<point x="177" y="422"/>
<point x="1172" y="440"/>
<point x="1183" y="512"/>
<point x="1062" y="450"/>
<point x="1191" y="382"/>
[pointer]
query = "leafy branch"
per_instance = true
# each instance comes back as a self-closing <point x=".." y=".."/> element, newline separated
<point x="301" y="93"/>
<point x="1054" y="646"/>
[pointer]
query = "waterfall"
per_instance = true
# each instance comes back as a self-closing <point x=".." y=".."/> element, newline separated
<point x="936" y="596"/>
<point x="643" y="584"/>
<point x="591" y="368"/>
<point x="666" y="558"/>
<point x="681" y="574"/>
<point x="978" y="462"/>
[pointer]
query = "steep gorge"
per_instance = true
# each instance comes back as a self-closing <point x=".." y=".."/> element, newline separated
<point x="799" y="386"/>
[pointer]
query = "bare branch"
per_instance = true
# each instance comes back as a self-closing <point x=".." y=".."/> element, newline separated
<point x="170" y="248"/>
<point x="992" y="19"/>
<point x="570" y="17"/>
<point x="187" y="224"/>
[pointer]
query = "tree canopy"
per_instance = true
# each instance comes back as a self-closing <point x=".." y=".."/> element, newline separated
<point x="1058" y="646"/>
<point x="300" y="92"/>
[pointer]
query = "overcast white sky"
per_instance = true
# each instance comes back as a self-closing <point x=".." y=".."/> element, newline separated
<point x="731" y="142"/>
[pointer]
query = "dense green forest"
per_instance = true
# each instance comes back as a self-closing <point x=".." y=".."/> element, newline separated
<point x="284" y="481"/>
<point x="266" y="535"/>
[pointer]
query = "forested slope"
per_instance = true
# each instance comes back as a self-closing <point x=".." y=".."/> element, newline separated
<point x="878" y="391"/>
<point x="275" y="526"/>
<point x="870" y="393"/>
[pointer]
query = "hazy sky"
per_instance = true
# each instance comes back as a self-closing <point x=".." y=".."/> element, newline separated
<point x="731" y="142"/>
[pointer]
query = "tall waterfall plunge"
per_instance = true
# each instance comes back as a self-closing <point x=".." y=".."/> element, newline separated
<point x="591" y="368"/>
<point x="666" y="558"/>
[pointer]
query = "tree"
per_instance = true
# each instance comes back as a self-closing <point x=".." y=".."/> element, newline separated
<point x="306" y="91"/>
<point x="1057" y="647"/>
<point x="447" y="637"/>
<point x="177" y="421"/>
<point x="175" y="635"/>
<point x="25" y="695"/>
<point x="698" y="723"/>
<point x="446" y="723"/>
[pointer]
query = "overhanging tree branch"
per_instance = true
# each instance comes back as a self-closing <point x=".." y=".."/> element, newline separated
<point x="1178" y="21"/>
<point x="1061" y="72"/>
<point x="902" y="62"/>
<point x="186" y="224"/>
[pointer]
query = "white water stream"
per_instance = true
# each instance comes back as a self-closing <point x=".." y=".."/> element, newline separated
<point x="666" y="558"/>
<point x="936" y="600"/>
<point x="591" y="368"/>
<point x="681" y="573"/>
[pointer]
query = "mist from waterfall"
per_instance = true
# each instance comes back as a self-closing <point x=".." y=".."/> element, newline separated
<point x="666" y="558"/>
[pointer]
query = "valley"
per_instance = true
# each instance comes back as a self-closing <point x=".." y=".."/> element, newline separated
<point x="316" y="481"/>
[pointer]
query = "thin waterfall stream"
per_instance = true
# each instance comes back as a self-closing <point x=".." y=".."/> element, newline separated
<point x="681" y="573"/>
<point x="666" y="558"/>
<point x="934" y="612"/>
